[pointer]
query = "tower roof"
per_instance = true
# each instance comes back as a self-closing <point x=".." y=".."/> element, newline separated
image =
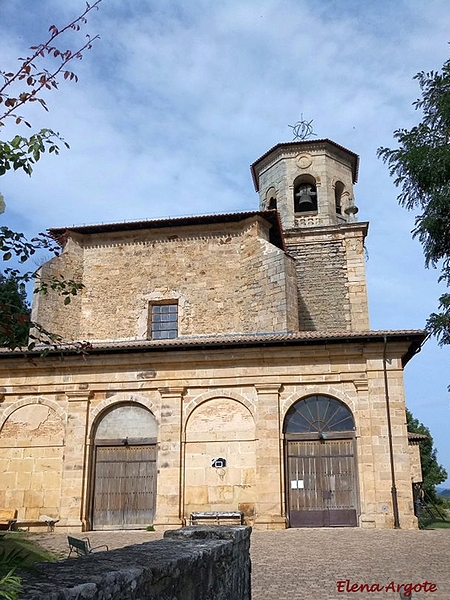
<point x="306" y="145"/>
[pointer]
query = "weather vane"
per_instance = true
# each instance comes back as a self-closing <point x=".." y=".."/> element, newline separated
<point x="302" y="130"/>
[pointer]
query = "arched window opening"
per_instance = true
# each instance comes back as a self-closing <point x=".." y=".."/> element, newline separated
<point x="305" y="195"/>
<point x="271" y="199"/>
<point x="125" y="422"/>
<point x="338" y="191"/>
<point x="318" y="415"/>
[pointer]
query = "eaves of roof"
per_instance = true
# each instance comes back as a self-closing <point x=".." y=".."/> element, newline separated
<point x="276" y="235"/>
<point x="305" y="145"/>
<point x="414" y="339"/>
<point x="416" y="438"/>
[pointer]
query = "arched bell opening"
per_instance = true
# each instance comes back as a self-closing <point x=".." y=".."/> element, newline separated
<point x="338" y="197"/>
<point x="320" y="463"/>
<point x="305" y="194"/>
<point x="271" y="199"/>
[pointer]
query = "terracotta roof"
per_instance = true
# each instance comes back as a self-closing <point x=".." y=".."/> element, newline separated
<point x="414" y="337"/>
<point x="304" y="144"/>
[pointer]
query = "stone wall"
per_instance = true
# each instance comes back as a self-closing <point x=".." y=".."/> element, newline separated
<point x="207" y="403"/>
<point x="195" y="563"/>
<point x="226" y="278"/>
<point x="416" y="466"/>
<point x="49" y="309"/>
<point x="31" y="454"/>
<point x="322" y="299"/>
<point x="232" y="438"/>
<point x="331" y="279"/>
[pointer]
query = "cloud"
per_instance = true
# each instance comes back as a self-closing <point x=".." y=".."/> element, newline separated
<point x="177" y="99"/>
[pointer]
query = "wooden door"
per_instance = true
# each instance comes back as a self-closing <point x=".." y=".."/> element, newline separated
<point x="321" y="484"/>
<point x="124" y="492"/>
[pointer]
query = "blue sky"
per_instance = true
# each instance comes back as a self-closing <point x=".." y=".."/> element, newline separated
<point x="177" y="99"/>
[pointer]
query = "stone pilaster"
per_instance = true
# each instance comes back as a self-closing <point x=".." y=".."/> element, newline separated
<point x="169" y="500"/>
<point x="269" y="459"/>
<point x="366" y="459"/>
<point x="74" y="471"/>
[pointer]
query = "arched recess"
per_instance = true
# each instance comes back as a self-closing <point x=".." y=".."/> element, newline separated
<point x="122" y="398"/>
<point x="219" y="458"/>
<point x="305" y="194"/>
<point x="123" y="482"/>
<point x="52" y="404"/>
<point x="218" y="393"/>
<point x="32" y="446"/>
<point x="320" y="463"/>
<point x="338" y="191"/>
<point x="271" y="199"/>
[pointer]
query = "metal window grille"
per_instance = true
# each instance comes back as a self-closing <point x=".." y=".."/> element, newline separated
<point x="164" y="321"/>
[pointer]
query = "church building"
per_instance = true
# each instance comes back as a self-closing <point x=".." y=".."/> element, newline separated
<point x="232" y="368"/>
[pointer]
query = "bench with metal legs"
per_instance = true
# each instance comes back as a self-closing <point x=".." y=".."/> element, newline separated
<point x="82" y="547"/>
<point x="231" y="517"/>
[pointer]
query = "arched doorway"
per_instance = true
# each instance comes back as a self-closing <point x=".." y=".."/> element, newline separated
<point x="320" y="463"/>
<point x="124" y="468"/>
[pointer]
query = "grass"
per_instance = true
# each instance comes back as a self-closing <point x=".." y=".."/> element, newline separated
<point x="29" y="552"/>
<point x="438" y="525"/>
<point x="17" y="551"/>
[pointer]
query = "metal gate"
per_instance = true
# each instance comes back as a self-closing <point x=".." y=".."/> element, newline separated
<point x="321" y="483"/>
<point x="124" y="488"/>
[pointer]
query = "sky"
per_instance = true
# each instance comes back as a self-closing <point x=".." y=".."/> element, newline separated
<point x="178" y="98"/>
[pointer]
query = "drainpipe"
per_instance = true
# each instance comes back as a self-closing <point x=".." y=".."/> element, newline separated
<point x="281" y="458"/>
<point x="391" y="449"/>
<point x="181" y="475"/>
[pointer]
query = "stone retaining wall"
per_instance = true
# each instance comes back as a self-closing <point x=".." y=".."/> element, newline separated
<point x="194" y="563"/>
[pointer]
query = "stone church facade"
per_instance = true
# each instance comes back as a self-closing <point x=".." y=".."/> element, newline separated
<point x="232" y="369"/>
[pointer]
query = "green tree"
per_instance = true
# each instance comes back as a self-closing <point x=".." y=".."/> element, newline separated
<point x="432" y="472"/>
<point x="421" y="168"/>
<point x="37" y="73"/>
<point x="14" y="312"/>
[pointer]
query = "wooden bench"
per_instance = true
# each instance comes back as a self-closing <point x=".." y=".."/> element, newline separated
<point x="219" y="517"/>
<point x="8" y="517"/>
<point x="82" y="547"/>
<point x="44" y="520"/>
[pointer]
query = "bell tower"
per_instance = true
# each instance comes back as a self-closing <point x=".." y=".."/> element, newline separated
<point x="310" y="183"/>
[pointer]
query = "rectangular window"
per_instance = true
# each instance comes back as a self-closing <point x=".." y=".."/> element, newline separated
<point x="163" y="321"/>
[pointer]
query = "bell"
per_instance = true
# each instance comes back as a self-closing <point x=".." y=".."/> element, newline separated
<point x="306" y="203"/>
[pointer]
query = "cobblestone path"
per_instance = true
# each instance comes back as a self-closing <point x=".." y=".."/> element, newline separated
<point x="308" y="564"/>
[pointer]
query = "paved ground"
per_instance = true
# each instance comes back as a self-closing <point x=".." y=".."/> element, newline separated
<point x="307" y="564"/>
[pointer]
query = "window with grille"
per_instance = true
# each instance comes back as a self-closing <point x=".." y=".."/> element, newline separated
<point x="163" y="321"/>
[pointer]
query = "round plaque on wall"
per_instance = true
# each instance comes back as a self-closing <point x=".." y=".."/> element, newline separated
<point x="304" y="161"/>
